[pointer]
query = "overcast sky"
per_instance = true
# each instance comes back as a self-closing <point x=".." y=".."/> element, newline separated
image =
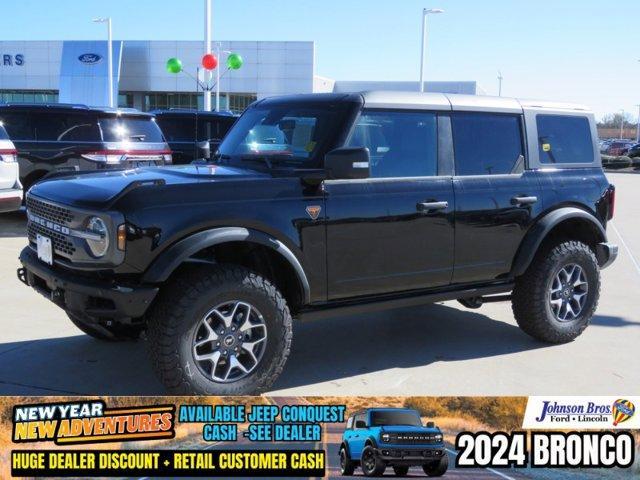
<point x="582" y="51"/>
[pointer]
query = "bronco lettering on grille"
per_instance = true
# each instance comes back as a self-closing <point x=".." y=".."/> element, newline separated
<point x="48" y="224"/>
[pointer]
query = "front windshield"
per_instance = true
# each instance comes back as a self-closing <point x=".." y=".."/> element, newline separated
<point x="382" y="418"/>
<point x="292" y="133"/>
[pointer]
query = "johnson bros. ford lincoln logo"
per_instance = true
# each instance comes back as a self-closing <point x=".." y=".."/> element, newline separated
<point x="90" y="58"/>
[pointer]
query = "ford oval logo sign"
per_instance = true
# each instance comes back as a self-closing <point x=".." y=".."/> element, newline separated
<point x="90" y="58"/>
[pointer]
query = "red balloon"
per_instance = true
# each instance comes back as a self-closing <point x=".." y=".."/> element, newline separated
<point x="209" y="61"/>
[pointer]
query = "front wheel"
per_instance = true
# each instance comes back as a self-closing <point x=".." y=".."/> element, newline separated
<point x="371" y="464"/>
<point x="347" y="466"/>
<point x="557" y="296"/>
<point x="437" y="468"/>
<point x="219" y="331"/>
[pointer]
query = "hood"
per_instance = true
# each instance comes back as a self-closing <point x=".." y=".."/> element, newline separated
<point x="98" y="189"/>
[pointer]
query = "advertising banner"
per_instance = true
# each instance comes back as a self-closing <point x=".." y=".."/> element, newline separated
<point x="304" y="437"/>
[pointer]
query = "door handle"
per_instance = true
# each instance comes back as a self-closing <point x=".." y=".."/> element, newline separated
<point x="519" y="201"/>
<point x="427" y="207"/>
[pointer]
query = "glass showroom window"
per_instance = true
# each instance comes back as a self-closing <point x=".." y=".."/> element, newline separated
<point x="28" y="96"/>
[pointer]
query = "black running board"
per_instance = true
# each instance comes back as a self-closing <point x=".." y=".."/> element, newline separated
<point x="399" y="301"/>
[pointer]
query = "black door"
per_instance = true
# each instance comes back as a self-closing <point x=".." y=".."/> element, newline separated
<point x="394" y="231"/>
<point x="496" y="197"/>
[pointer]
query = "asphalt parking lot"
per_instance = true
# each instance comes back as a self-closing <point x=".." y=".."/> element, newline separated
<point x="441" y="349"/>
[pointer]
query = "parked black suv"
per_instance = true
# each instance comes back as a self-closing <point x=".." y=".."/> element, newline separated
<point x="328" y="204"/>
<point x="193" y="134"/>
<point x="54" y="138"/>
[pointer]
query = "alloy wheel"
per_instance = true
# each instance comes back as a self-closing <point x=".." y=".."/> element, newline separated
<point x="568" y="292"/>
<point x="230" y="341"/>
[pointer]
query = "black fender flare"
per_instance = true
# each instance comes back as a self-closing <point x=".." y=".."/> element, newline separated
<point x="176" y="254"/>
<point x="345" y="445"/>
<point x="542" y="227"/>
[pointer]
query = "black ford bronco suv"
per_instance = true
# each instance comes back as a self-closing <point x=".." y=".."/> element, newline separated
<point x="327" y="204"/>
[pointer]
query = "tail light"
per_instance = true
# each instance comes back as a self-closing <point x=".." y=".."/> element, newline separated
<point x="8" y="155"/>
<point x="612" y="202"/>
<point x="118" y="156"/>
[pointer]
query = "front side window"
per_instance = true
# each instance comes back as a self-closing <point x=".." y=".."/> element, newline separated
<point x="401" y="144"/>
<point x="487" y="143"/>
<point x="381" y="418"/>
<point x="564" y="139"/>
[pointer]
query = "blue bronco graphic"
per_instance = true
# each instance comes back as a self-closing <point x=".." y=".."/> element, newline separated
<point x="378" y="438"/>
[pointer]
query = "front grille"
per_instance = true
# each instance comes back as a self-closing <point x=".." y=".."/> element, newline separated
<point x="412" y="438"/>
<point x="53" y="213"/>
<point x="60" y="242"/>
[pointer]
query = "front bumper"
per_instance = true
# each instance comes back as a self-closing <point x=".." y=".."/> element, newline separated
<point x="410" y="456"/>
<point x="606" y="253"/>
<point x="85" y="296"/>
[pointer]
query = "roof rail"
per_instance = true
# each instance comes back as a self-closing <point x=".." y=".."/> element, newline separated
<point x="46" y="105"/>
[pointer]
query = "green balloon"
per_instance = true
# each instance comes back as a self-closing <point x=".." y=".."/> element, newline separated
<point x="234" y="61"/>
<point x="174" y="65"/>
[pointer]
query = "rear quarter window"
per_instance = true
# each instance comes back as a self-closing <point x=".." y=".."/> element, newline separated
<point x="178" y="129"/>
<point x="564" y="139"/>
<point x="130" y="129"/>
<point x="3" y="133"/>
<point x="18" y="125"/>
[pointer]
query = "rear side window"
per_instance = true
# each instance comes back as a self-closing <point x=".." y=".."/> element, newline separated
<point x="60" y="127"/>
<point x="178" y="129"/>
<point x="18" y="125"/>
<point x="401" y="144"/>
<point x="487" y="143"/>
<point x="564" y="139"/>
<point x="214" y="129"/>
<point x="3" y="133"/>
<point x="350" y="423"/>
<point x="130" y="129"/>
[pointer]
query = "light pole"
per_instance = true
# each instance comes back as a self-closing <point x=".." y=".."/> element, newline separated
<point x="218" y="51"/>
<point x="425" y="12"/>
<point x="207" y="49"/>
<point x="109" y="56"/>
<point x="621" y="123"/>
<point x="499" y="83"/>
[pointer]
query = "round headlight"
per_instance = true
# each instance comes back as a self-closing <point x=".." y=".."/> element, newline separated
<point x="385" y="437"/>
<point x="99" y="246"/>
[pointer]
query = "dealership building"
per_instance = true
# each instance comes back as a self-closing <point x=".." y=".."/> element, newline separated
<point x="77" y="72"/>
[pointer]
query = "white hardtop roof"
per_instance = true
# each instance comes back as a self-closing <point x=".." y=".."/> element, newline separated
<point x="447" y="101"/>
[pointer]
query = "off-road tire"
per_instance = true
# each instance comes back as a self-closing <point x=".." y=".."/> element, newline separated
<point x="104" y="333"/>
<point x="347" y="466"/>
<point x="401" y="470"/>
<point x="437" y="468"/>
<point x="177" y="313"/>
<point x="530" y="298"/>
<point x="378" y="467"/>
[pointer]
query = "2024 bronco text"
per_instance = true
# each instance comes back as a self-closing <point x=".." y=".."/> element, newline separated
<point x="328" y="204"/>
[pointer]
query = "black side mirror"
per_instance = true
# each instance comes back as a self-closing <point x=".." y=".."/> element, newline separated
<point x="347" y="163"/>
<point x="431" y="425"/>
<point x="361" y="424"/>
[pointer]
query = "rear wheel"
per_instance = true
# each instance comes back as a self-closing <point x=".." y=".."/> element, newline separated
<point x="371" y="464"/>
<point x="557" y="296"/>
<point x="347" y="466"/>
<point x="401" y="471"/>
<point x="437" y="468"/>
<point x="219" y="331"/>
